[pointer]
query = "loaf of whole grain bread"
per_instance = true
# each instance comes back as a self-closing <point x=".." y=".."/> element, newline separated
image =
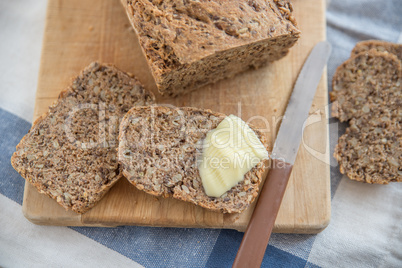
<point x="70" y="152"/>
<point x="158" y="151"/>
<point x="191" y="43"/>
<point x="367" y="92"/>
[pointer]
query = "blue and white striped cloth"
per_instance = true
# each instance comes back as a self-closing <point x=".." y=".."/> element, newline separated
<point x="366" y="223"/>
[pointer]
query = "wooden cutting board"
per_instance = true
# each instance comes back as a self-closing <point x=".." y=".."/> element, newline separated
<point x="78" y="32"/>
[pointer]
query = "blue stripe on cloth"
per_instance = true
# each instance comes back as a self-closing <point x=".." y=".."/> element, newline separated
<point x="275" y="257"/>
<point x="296" y="244"/>
<point x="228" y="243"/>
<point x="157" y="247"/>
<point x="311" y="265"/>
<point x="12" y="129"/>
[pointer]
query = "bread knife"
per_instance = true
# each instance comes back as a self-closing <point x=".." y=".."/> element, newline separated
<point x="283" y="156"/>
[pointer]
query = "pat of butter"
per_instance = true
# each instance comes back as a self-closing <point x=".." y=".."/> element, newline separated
<point x="229" y="152"/>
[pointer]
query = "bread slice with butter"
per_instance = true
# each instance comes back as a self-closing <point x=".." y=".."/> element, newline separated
<point x="161" y="149"/>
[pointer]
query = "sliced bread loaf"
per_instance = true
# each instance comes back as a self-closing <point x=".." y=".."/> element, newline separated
<point x="365" y="83"/>
<point x="70" y="152"/>
<point x="158" y="150"/>
<point x="378" y="45"/>
<point x="192" y="43"/>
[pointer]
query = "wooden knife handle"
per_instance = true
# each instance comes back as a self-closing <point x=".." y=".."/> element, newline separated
<point x="259" y="229"/>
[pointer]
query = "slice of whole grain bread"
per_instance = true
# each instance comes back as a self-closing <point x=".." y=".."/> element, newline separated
<point x="70" y="152"/>
<point x="371" y="149"/>
<point x="158" y="151"/>
<point x="378" y="45"/>
<point x="365" y="83"/>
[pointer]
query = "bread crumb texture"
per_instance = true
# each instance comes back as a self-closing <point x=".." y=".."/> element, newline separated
<point x="368" y="94"/>
<point x="70" y="153"/>
<point x="159" y="148"/>
<point x="191" y="43"/>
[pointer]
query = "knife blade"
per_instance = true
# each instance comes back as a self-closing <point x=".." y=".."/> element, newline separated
<point x="259" y="229"/>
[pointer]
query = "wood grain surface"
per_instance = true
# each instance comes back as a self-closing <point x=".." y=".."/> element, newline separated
<point x="81" y="31"/>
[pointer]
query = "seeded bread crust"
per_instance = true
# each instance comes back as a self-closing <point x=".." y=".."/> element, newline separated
<point x="378" y="45"/>
<point x="70" y="153"/>
<point x="191" y="43"/>
<point x="367" y="92"/>
<point x="158" y="150"/>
